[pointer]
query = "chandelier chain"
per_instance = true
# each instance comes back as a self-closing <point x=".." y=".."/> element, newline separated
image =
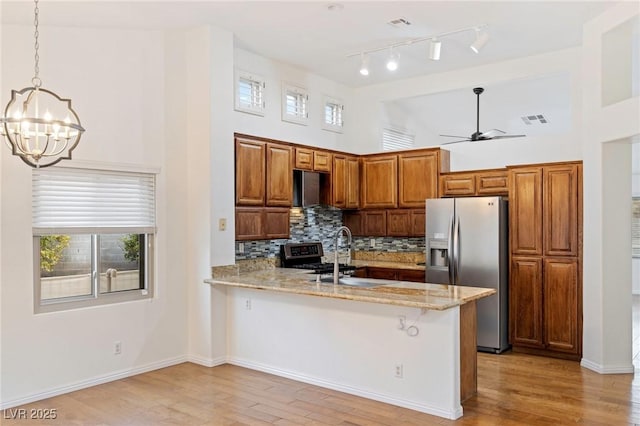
<point x="36" y="78"/>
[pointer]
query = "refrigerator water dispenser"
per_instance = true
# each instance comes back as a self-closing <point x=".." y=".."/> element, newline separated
<point x="438" y="254"/>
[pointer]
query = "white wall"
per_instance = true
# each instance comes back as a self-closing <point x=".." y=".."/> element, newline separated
<point x="635" y="192"/>
<point x="117" y="85"/>
<point x="371" y="114"/>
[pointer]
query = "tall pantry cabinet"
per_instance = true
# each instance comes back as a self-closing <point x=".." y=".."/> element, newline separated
<point x="545" y="289"/>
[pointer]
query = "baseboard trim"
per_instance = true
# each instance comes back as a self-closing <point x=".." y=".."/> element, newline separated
<point x="607" y="369"/>
<point x="207" y="362"/>
<point x="453" y="414"/>
<point x="92" y="382"/>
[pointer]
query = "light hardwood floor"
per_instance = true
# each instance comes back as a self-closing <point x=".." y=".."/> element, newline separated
<point x="513" y="389"/>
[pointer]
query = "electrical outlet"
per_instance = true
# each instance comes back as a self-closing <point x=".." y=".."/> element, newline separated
<point x="372" y="243"/>
<point x="240" y="247"/>
<point x="247" y="304"/>
<point x="117" y="348"/>
<point x="222" y="224"/>
<point x="398" y="371"/>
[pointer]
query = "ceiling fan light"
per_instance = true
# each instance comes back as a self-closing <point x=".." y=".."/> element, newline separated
<point x="481" y="39"/>
<point x="434" y="49"/>
<point x="392" y="62"/>
<point x="364" y="65"/>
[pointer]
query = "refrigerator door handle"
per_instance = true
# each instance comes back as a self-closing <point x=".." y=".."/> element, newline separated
<point x="450" y="255"/>
<point x="456" y="250"/>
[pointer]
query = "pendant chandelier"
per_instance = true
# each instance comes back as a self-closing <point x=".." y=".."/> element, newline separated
<point x="38" y="125"/>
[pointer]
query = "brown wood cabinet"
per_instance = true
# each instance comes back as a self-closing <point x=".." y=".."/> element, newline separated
<point x="261" y="223"/>
<point x="312" y="160"/>
<point x="417" y="177"/>
<point x="322" y="161"/>
<point x="379" y="181"/>
<point x="279" y="178"/>
<point x="353" y="183"/>
<point x="475" y="183"/>
<point x="398" y="223"/>
<point x="396" y="274"/>
<point x="374" y="223"/>
<point x="250" y="172"/>
<point x="353" y="221"/>
<point x="546" y="253"/>
<point x="418" y="220"/>
<point x="345" y="182"/>
<point x="304" y="158"/>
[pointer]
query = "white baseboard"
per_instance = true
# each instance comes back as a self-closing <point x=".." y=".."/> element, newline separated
<point x="207" y="362"/>
<point x="92" y="382"/>
<point x="453" y="414"/>
<point x="607" y="369"/>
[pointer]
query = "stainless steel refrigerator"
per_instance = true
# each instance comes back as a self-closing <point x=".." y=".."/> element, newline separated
<point x="467" y="245"/>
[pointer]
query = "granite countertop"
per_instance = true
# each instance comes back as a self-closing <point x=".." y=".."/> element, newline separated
<point x="401" y="293"/>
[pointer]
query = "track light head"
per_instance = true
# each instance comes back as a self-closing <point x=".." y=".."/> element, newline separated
<point x="481" y="39"/>
<point x="364" y="65"/>
<point x="392" y="62"/>
<point x="434" y="49"/>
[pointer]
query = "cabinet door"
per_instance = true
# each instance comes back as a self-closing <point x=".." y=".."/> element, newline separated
<point x="561" y="223"/>
<point x="398" y="223"/>
<point x="380" y="181"/>
<point x="353" y="183"/>
<point x="417" y="178"/>
<point x="322" y="161"/>
<point x="461" y="184"/>
<point x="382" y="273"/>
<point x="561" y="305"/>
<point x="492" y="183"/>
<point x="374" y="223"/>
<point x="279" y="175"/>
<point x="249" y="223"/>
<point x="525" y="302"/>
<point x="339" y="181"/>
<point x="525" y="210"/>
<point x="353" y="221"/>
<point x="304" y="159"/>
<point x="276" y="223"/>
<point x="413" y="275"/>
<point x="418" y="220"/>
<point x="250" y="172"/>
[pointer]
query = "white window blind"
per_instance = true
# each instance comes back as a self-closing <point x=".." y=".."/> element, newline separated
<point x="73" y="201"/>
<point x="250" y="93"/>
<point x="333" y="114"/>
<point x="295" y="104"/>
<point x="393" y="139"/>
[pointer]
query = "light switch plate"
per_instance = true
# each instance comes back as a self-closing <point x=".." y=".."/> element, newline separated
<point x="222" y="224"/>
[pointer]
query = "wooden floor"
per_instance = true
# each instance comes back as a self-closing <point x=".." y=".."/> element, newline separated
<point x="513" y="389"/>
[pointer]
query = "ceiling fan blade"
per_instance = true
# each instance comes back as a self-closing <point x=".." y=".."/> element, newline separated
<point x="452" y="142"/>
<point x="453" y="136"/>
<point x="492" y="132"/>
<point x="508" y="136"/>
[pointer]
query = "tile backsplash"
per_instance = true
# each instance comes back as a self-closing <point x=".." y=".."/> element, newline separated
<point x="320" y="223"/>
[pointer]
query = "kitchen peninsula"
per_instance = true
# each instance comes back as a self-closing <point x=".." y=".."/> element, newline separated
<point x="407" y="344"/>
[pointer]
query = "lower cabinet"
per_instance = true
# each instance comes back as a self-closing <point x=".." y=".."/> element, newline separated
<point x="545" y="305"/>
<point x="261" y="223"/>
<point x="413" y="275"/>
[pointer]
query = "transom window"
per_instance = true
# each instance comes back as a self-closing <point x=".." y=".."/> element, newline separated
<point x="295" y="104"/>
<point x="333" y="114"/>
<point x="93" y="234"/>
<point x="250" y="93"/>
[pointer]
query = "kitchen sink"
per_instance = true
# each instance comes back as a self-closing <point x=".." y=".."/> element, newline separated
<point x="352" y="281"/>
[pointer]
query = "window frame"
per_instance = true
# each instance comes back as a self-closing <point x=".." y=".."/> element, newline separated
<point x="398" y="131"/>
<point x="300" y="93"/>
<point x="332" y="102"/>
<point x="254" y="78"/>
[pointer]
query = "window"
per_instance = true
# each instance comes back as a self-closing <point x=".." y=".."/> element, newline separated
<point x="250" y="93"/>
<point x="295" y="104"/>
<point x="396" y="139"/>
<point x="333" y="115"/>
<point x="635" y="227"/>
<point x="93" y="236"/>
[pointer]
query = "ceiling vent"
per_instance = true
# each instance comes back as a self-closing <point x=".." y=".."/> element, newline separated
<point x="399" y="22"/>
<point x="534" y="119"/>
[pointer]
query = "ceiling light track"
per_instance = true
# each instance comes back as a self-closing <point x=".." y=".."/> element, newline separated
<point x="435" y="45"/>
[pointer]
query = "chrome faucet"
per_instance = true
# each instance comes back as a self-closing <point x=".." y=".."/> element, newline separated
<point x="336" y="269"/>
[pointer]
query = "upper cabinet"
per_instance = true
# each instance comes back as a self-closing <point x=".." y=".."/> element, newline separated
<point x="312" y="160"/>
<point x="264" y="175"/>
<point x="525" y="210"/>
<point x="345" y="182"/>
<point x="475" y="183"/>
<point x="322" y="161"/>
<point x="379" y="181"/>
<point x="250" y="172"/>
<point x="417" y="177"/>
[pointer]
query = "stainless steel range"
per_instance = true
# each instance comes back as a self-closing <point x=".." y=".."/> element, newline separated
<point x="308" y="256"/>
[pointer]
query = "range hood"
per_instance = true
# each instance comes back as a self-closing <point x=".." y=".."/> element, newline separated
<point x="306" y="188"/>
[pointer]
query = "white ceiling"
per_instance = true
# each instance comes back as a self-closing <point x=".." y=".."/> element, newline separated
<point x="310" y="36"/>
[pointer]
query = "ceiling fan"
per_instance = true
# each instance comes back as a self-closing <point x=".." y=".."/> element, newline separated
<point x="481" y="136"/>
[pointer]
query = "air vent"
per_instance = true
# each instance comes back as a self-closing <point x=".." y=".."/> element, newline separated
<point x="399" y="22"/>
<point x="534" y="119"/>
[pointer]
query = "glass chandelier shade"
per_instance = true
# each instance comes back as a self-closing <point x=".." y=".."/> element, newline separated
<point x="38" y="125"/>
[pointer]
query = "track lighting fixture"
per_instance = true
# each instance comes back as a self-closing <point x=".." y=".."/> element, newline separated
<point x="392" y="62"/>
<point x="435" y="47"/>
<point x="364" y="65"/>
<point x="481" y="39"/>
